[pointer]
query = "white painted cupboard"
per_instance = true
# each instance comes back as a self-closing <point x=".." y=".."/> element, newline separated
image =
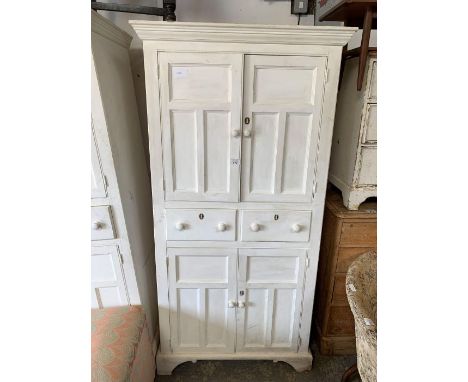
<point x="240" y="123"/>
<point x="122" y="244"/>
<point x="353" y="163"/>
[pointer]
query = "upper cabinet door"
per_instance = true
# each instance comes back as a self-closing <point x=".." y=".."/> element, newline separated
<point x="201" y="125"/>
<point x="281" y="129"/>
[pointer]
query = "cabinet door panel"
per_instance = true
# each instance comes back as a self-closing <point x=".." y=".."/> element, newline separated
<point x="201" y="103"/>
<point x="282" y="104"/>
<point x="107" y="281"/>
<point x="201" y="283"/>
<point x="270" y="318"/>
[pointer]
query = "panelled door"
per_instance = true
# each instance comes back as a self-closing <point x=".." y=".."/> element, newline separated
<point x="269" y="298"/>
<point x="281" y="127"/>
<point x="202" y="293"/>
<point x="201" y="125"/>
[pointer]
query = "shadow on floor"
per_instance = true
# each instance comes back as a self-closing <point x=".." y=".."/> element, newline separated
<point x="324" y="369"/>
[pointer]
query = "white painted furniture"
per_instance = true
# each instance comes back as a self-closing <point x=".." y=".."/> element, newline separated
<point x="353" y="163"/>
<point x="240" y="123"/>
<point x="122" y="244"/>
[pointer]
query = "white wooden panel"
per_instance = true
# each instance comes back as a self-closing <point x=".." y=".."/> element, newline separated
<point x="263" y="152"/>
<point x="101" y="223"/>
<point x="204" y="82"/>
<point x="107" y="281"/>
<point x="200" y="115"/>
<point x="201" y="283"/>
<point x="205" y="269"/>
<point x="284" y="311"/>
<point x="262" y="269"/>
<point x="299" y="87"/>
<point x="98" y="187"/>
<point x="259" y="225"/>
<point x="256" y="318"/>
<point x="188" y="322"/>
<point x="217" y="140"/>
<point x="201" y="224"/>
<point x="370" y="124"/>
<point x="184" y="150"/>
<point x="368" y="166"/>
<point x="217" y="318"/>
<point x="297" y="136"/>
<point x="283" y="100"/>
<point x="270" y="318"/>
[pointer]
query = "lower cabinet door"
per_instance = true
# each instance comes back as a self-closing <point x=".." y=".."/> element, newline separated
<point x="269" y="298"/>
<point x="108" y="286"/>
<point x="202" y="294"/>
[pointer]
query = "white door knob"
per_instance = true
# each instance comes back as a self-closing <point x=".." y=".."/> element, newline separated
<point x="221" y="227"/>
<point x="247" y="133"/>
<point x="235" y="132"/>
<point x="241" y="304"/>
<point x="231" y="303"/>
<point x="96" y="225"/>
<point x="179" y="226"/>
<point x="296" y="227"/>
<point x="254" y="227"/>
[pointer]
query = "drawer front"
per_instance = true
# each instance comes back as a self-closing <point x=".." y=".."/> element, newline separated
<point x="347" y="255"/>
<point x="275" y="225"/>
<point x="340" y="321"/>
<point x="370" y="124"/>
<point x="101" y="223"/>
<point x="354" y="234"/>
<point x="200" y="224"/>
<point x="368" y="170"/>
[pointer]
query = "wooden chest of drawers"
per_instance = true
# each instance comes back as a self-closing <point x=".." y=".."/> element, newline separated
<point x="346" y="234"/>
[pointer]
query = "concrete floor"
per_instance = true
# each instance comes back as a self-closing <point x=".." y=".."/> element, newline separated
<point x="324" y="369"/>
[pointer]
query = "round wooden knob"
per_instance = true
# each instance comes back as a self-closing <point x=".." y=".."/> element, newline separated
<point x="241" y="304"/>
<point x="296" y="227"/>
<point x="254" y="227"/>
<point x="247" y="133"/>
<point x="231" y="304"/>
<point x="235" y="132"/>
<point x="97" y="225"/>
<point x="221" y="227"/>
<point x="179" y="226"/>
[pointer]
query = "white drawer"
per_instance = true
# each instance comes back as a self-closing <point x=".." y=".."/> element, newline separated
<point x="101" y="223"/>
<point x="368" y="168"/>
<point x="370" y="124"/>
<point x="275" y="225"/>
<point x="200" y="224"/>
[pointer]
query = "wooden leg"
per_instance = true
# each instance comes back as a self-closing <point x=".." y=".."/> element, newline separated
<point x="349" y="373"/>
<point x="366" y="31"/>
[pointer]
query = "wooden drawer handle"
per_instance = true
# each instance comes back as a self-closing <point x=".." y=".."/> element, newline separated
<point x="97" y="225"/>
<point x="254" y="227"/>
<point x="179" y="226"/>
<point x="296" y="227"/>
<point x="221" y="227"/>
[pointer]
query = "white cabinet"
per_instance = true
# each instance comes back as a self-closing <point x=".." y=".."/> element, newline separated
<point x="353" y="163"/>
<point x="122" y="262"/>
<point x="240" y="124"/>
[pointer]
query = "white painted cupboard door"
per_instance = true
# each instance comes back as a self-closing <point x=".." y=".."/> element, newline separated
<point x="202" y="291"/>
<point x="108" y="286"/>
<point x="201" y="125"/>
<point x="98" y="188"/>
<point x="281" y="129"/>
<point x="269" y="310"/>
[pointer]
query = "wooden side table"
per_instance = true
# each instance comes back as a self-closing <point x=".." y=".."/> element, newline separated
<point x="345" y="235"/>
